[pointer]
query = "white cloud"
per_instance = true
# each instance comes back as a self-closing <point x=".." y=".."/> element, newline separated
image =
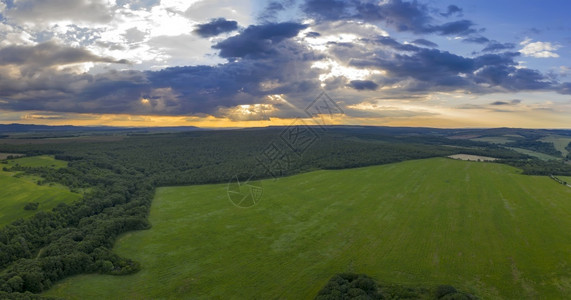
<point x="240" y="11"/>
<point x="37" y="13"/>
<point x="178" y="5"/>
<point x="129" y="30"/>
<point x="10" y="35"/>
<point x="335" y="69"/>
<point x="539" y="49"/>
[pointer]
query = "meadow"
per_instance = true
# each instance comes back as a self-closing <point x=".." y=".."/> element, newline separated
<point x="482" y="227"/>
<point x="36" y="162"/>
<point x="559" y="142"/>
<point x="565" y="179"/>
<point x="16" y="189"/>
<point x="495" y="139"/>
<point x="535" y="154"/>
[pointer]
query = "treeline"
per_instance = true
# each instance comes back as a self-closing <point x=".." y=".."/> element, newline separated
<point x="360" y="286"/>
<point x="119" y="179"/>
<point x="540" y="167"/>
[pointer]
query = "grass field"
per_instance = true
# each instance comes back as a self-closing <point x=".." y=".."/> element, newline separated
<point x="536" y="154"/>
<point x="565" y="179"/>
<point x="559" y="142"/>
<point x="481" y="227"/>
<point x="496" y="139"/>
<point x="38" y="161"/>
<point x="16" y="191"/>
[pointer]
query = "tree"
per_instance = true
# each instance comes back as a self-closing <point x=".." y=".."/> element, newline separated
<point x="16" y="283"/>
<point x="31" y="206"/>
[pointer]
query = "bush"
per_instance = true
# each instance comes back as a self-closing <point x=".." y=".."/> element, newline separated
<point x="350" y="286"/>
<point x="456" y="296"/>
<point x="443" y="290"/>
<point x="32" y="206"/>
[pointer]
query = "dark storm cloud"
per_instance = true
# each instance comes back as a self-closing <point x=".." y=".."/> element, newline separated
<point x="274" y="8"/>
<point x="312" y="34"/>
<point x="262" y="60"/>
<point x="500" y="103"/>
<point x="401" y="15"/>
<point x="206" y="88"/>
<point x="173" y="91"/>
<point x="258" y="40"/>
<point x="462" y="27"/>
<point x="476" y="39"/>
<point x="423" y="42"/>
<point x="188" y="90"/>
<point x="52" y="90"/>
<point x="494" y="46"/>
<point x="327" y="9"/>
<point x="451" y="10"/>
<point x="363" y="85"/>
<point x="501" y="59"/>
<point x="432" y="69"/>
<point x="404" y="16"/>
<point x="388" y="41"/>
<point x="564" y="88"/>
<point x="216" y="27"/>
<point x="49" y="54"/>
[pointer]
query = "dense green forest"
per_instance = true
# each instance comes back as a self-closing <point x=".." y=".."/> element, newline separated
<point x="119" y="178"/>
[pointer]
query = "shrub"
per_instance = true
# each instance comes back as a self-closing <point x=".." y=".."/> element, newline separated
<point x="443" y="290"/>
<point x="350" y="286"/>
<point x="32" y="206"/>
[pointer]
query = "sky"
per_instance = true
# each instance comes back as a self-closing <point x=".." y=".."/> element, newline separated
<point x="246" y="63"/>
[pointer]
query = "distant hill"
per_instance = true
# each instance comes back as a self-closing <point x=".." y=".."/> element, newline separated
<point x="27" y="128"/>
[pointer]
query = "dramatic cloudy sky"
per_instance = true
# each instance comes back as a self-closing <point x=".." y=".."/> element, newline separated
<point x="213" y="63"/>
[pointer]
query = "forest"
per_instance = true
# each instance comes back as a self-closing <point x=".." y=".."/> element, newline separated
<point x="118" y="180"/>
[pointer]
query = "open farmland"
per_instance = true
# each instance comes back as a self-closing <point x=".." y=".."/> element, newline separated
<point x="536" y="154"/>
<point x="37" y="162"/>
<point x="17" y="190"/>
<point x="483" y="228"/>
<point x="559" y="142"/>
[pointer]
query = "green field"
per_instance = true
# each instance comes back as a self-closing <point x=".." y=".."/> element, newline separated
<point x="536" y="154"/>
<point x="481" y="227"/>
<point x="559" y="142"/>
<point x="565" y="179"/>
<point x="495" y="139"/>
<point x="38" y="161"/>
<point x="16" y="190"/>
